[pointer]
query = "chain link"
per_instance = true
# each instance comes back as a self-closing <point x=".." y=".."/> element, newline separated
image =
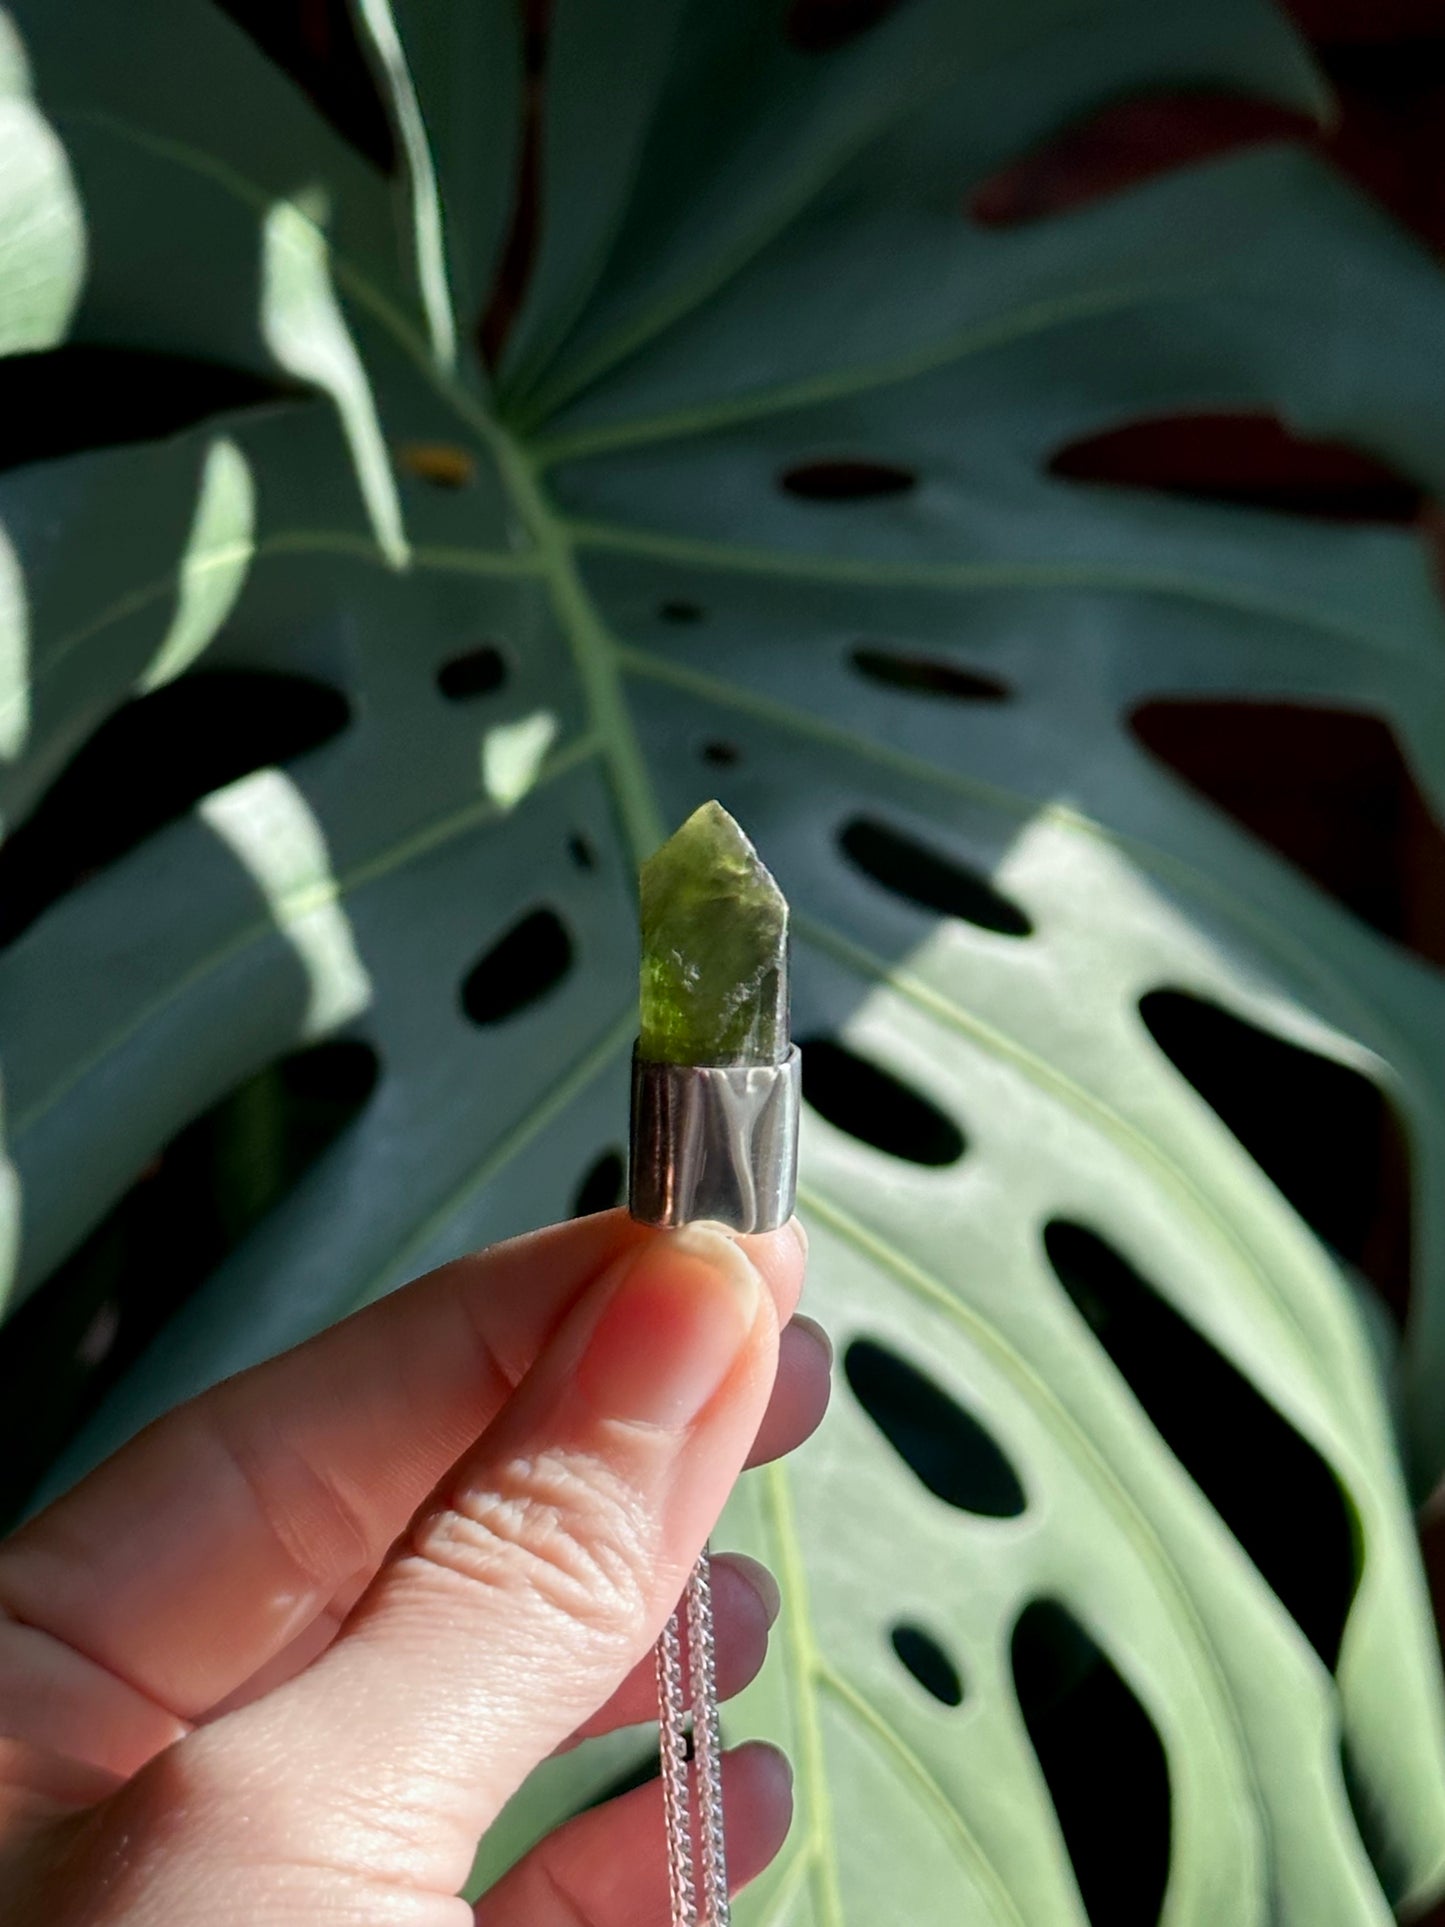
<point x="676" y="1797"/>
<point x="705" y="1880"/>
<point x="707" y="1747"/>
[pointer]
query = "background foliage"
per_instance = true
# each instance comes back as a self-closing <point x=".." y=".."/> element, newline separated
<point x="661" y="405"/>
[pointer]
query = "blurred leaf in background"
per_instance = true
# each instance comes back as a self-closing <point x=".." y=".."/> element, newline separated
<point x="424" y="484"/>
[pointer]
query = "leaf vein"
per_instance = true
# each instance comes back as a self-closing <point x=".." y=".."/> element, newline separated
<point x="965" y="1842"/>
<point x="957" y="577"/>
<point x="788" y="397"/>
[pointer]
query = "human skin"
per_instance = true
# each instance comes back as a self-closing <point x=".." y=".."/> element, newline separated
<point x="285" y="1657"/>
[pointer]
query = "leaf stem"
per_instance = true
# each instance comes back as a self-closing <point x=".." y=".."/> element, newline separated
<point x="594" y="650"/>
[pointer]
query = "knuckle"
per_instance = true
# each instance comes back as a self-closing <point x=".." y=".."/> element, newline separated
<point x="560" y="1526"/>
<point x="321" y="1531"/>
<point x="181" y="1802"/>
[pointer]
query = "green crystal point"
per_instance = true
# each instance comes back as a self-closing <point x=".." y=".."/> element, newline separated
<point x="714" y="949"/>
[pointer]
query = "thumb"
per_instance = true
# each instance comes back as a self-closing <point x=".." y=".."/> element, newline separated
<point x="528" y="1587"/>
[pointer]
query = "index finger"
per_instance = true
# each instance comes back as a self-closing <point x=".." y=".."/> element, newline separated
<point x="186" y="1562"/>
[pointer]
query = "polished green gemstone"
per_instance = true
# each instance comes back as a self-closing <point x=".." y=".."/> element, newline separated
<point x="714" y="949"/>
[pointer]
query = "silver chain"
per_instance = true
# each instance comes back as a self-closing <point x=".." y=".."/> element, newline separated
<point x="707" y="1746"/>
<point x="672" y="1701"/>
<point x="708" y="1882"/>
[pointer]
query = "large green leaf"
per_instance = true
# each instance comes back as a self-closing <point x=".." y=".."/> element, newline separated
<point x="753" y="256"/>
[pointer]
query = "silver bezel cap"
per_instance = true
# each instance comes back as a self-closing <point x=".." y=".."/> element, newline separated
<point x="715" y="1141"/>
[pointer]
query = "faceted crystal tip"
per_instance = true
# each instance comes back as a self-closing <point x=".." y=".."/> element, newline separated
<point x="714" y="949"/>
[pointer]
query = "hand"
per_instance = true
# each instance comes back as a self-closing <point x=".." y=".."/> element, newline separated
<point x="285" y="1656"/>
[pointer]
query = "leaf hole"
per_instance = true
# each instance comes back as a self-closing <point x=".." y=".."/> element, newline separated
<point x="1103" y="1763"/>
<point x="678" y="611"/>
<point x="846" y="481"/>
<point x="721" y="754"/>
<point x="148" y="764"/>
<point x="945" y="1447"/>
<point x="69" y="400"/>
<point x="82" y="1329"/>
<point x="1250" y="459"/>
<point x="911" y="870"/>
<point x="822" y="26"/>
<point x="1386" y="67"/>
<point x="920" y="1653"/>
<point x="479" y="672"/>
<point x="519" y="969"/>
<point x="324" y="1088"/>
<point x="317" y="45"/>
<point x="876" y="1107"/>
<point x="1270" y="1486"/>
<point x="930" y="675"/>
<point x="1322" y="1133"/>
<point x="603" y="1185"/>
<point x="1329" y="790"/>
<point x="1124" y="143"/>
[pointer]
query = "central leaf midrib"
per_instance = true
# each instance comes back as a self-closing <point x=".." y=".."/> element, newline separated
<point x="593" y="649"/>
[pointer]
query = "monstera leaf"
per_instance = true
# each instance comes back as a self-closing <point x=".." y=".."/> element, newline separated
<point x="757" y="501"/>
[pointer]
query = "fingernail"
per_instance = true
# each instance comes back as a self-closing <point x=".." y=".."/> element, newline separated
<point x="776" y="1758"/>
<point x="799" y="1231"/>
<point x="816" y="1332"/>
<point x="761" y="1581"/>
<point x="672" y="1330"/>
